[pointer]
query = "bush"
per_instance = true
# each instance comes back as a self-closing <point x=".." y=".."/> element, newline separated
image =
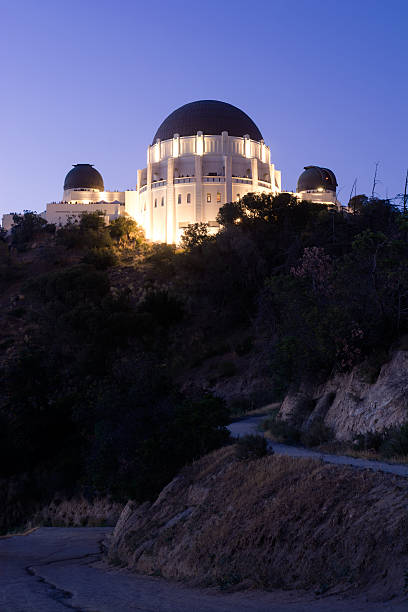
<point x="101" y="259"/>
<point x="26" y="227"/>
<point x="395" y="441"/>
<point x="251" y="446"/>
<point x="164" y="308"/>
<point x="91" y="232"/>
<point x="240" y="405"/>
<point x="318" y="433"/>
<point x="281" y="430"/>
<point x="195" y="236"/>
<point x="370" y="440"/>
<point x="124" y="229"/>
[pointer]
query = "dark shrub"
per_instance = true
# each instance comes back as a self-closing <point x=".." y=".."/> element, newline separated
<point x="395" y="441"/>
<point x="251" y="447"/>
<point x="26" y="227"/>
<point x="318" y="433"/>
<point x="370" y="440"/>
<point x="165" y="308"/>
<point x="281" y="430"/>
<point x="101" y="259"/>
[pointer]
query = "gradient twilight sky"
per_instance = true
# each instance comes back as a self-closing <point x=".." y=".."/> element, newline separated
<point x="89" y="81"/>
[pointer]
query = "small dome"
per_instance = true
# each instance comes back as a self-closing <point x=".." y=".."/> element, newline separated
<point x="315" y="178"/>
<point x="83" y="176"/>
<point x="210" y="117"/>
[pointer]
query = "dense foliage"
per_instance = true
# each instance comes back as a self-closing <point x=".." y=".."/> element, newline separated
<point x="114" y="327"/>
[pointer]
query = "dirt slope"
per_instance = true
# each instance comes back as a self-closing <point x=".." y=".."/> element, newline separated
<point x="276" y="522"/>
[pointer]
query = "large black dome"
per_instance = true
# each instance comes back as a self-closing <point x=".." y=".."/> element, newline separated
<point x="314" y="178"/>
<point x="210" y="117"/>
<point x="83" y="176"/>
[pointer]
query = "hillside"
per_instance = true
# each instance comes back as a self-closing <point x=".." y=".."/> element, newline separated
<point x="272" y="523"/>
<point x="122" y="361"/>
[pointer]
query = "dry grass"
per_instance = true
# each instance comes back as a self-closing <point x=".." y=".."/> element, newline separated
<point x="339" y="448"/>
<point x="276" y="522"/>
<point x="78" y="512"/>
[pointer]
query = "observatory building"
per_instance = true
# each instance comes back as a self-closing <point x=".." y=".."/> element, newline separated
<point x="204" y="154"/>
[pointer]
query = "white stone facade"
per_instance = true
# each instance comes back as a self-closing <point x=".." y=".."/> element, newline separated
<point x="188" y="179"/>
<point x="320" y="196"/>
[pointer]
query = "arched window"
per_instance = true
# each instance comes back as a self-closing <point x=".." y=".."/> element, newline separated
<point x="189" y="198"/>
<point x="162" y="201"/>
<point x="155" y="203"/>
<point x="179" y="198"/>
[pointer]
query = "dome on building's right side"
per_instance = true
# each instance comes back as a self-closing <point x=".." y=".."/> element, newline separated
<point x="315" y="178"/>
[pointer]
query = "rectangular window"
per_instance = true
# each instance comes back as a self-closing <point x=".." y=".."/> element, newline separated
<point x="162" y="201"/>
<point x="179" y="198"/>
<point x="238" y="197"/>
<point x="155" y="203"/>
<point x="188" y="198"/>
<point x="208" y="197"/>
<point x="218" y="196"/>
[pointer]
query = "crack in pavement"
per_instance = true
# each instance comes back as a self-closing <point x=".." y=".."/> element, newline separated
<point x="53" y="591"/>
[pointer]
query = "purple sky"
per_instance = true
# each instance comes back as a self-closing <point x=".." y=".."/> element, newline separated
<point x="90" y="81"/>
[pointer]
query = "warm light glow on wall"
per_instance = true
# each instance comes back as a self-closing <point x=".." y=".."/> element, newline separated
<point x="263" y="152"/>
<point x="175" y="147"/>
<point x="247" y="147"/>
<point x="200" y="144"/>
<point x="157" y="152"/>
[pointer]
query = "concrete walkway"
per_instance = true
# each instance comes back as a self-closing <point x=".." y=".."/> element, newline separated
<point x="249" y="425"/>
<point x="56" y="569"/>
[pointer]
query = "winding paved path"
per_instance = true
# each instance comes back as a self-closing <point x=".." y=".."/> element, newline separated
<point x="55" y="569"/>
<point x="249" y="425"/>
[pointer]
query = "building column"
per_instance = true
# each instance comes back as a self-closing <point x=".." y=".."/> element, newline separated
<point x="272" y="175"/>
<point x="254" y="168"/>
<point x="170" y="204"/>
<point x="198" y="170"/>
<point x="228" y="178"/>
<point x="149" y="207"/>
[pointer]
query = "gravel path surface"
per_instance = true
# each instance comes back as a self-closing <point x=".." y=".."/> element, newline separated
<point x="55" y="569"/>
<point x="249" y="425"/>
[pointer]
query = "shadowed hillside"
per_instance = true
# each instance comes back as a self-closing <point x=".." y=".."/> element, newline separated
<point x="121" y="361"/>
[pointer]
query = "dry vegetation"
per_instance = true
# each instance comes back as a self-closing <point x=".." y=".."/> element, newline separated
<point x="275" y="522"/>
<point x="78" y="512"/>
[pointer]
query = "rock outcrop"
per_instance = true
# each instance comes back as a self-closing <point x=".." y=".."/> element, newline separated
<point x="349" y="404"/>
